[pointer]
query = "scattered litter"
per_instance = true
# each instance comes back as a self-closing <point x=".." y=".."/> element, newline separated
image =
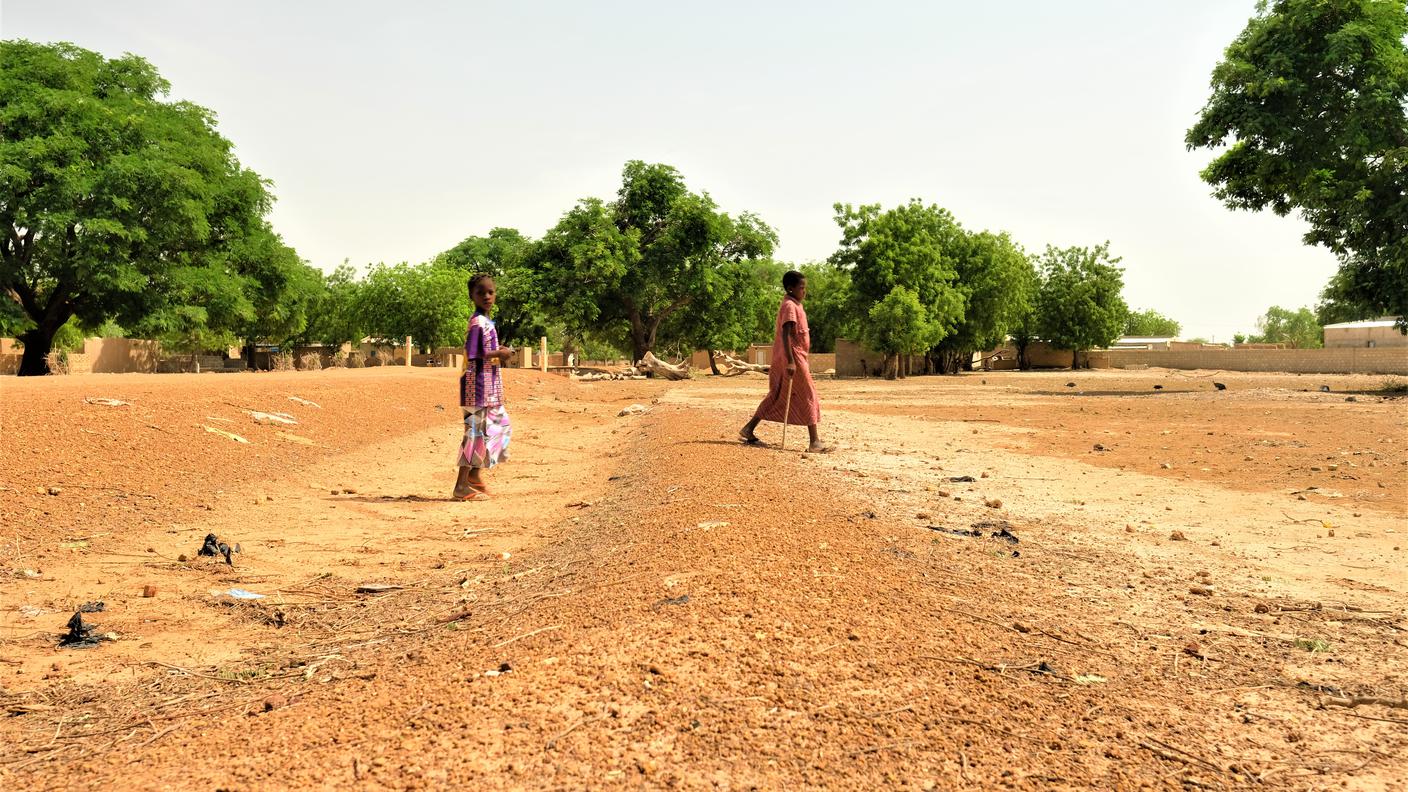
<point x="1088" y="679"/>
<point x="1001" y="529"/>
<point x="953" y="531"/>
<point x="107" y="402"/>
<point x="216" y="418"/>
<point x="504" y="668"/>
<point x="581" y="504"/>
<point x="504" y="556"/>
<point x="1158" y="387"/>
<point x="1350" y="399"/>
<point x="961" y="479"/>
<point x="225" y="434"/>
<point x="293" y="438"/>
<point x="1101" y="447"/>
<point x="214" y="547"/>
<point x="709" y="524"/>
<point x="1219" y="386"/>
<point x="1070" y="384"/>
<point x="634" y="409"/>
<point x="439" y="408"/>
<point x="378" y="588"/>
<point x="241" y="594"/>
<point x="680" y="600"/>
<point x="267" y="418"/>
<point x="74" y="545"/>
<point x="92" y="607"/>
<point x="80" y="634"/>
<point x="32" y="574"/>
<point x="31" y="611"/>
<point x="305" y="402"/>
<point x="1324" y="388"/>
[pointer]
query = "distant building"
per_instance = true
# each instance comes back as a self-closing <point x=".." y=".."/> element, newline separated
<point x="1371" y="333"/>
<point x="1143" y="342"/>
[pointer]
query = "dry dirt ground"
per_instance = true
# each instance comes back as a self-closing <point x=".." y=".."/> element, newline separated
<point x="1200" y="581"/>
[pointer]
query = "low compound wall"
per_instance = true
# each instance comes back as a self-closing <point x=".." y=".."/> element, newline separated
<point x="98" y="356"/>
<point x="1342" y="360"/>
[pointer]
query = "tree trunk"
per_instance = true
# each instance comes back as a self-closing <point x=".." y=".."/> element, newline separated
<point x="713" y="364"/>
<point x="38" y="343"/>
<point x="892" y="366"/>
<point x="1023" y="362"/>
<point x="1075" y="359"/>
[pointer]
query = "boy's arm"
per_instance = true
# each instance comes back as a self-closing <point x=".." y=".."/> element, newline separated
<point x="788" y="331"/>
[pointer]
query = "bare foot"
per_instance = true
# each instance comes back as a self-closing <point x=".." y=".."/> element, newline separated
<point x="749" y="438"/>
<point x="818" y="448"/>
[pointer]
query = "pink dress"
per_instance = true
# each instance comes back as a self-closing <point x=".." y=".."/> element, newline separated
<point x="806" y="410"/>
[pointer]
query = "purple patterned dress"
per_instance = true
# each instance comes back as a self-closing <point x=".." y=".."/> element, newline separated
<point x="486" y="425"/>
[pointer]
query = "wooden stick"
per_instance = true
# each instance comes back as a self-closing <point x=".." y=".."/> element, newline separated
<point x="787" y="411"/>
<point x="526" y="635"/>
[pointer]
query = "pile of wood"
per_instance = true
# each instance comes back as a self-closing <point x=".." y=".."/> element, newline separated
<point x="729" y="365"/>
<point x="654" y="366"/>
<point x="591" y="374"/>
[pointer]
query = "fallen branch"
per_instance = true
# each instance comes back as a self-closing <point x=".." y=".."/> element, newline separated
<point x="1356" y="701"/>
<point x="582" y="722"/>
<point x="526" y="635"/>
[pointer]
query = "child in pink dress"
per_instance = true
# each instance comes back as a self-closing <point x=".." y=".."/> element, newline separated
<point x="486" y="425"/>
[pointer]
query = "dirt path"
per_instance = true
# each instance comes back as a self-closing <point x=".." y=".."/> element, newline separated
<point x="679" y="610"/>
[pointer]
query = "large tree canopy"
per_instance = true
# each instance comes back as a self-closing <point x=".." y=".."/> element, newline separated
<point x="1298" y="329"/>
<point x="914" y="246"/>
<point x="1313" y="99"/>
<point x="655" y="251"/>
<point x="117" y="204"/>
<point x="517" y="312"/>
<point x="1079" y="305"/>
<point x="998" y="286"/>
<point x="1150" y="323"/>
<point x="428" y="302"/>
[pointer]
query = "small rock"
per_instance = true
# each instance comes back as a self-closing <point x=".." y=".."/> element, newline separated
<point x="1262" y="607"/>
<point x="55" y="490"/>
<point x="1350" y="399"/>
<point x="1177" y="536"/>
<point x="182" y="558"/>
<point x="942" y="493"/>
<point x="984" y="474"/>
<point x="1202" y="591"/>
<point x="1129" y="529"/>
<point x="921" y="516"/>
<point x="1166" y="466"/>
<point x="993" y="503"/>
<point x="1192" y="648"/>
<point x="1101" y="447"/>
<point x="1314" y="468"/>
<point x="274" y="702"/>
<point x="149" y="591"/>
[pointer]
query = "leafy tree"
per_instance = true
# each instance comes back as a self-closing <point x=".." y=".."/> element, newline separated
<point x="335" y="315"/>
<point x="829" y="307"/>
<point x="731" y="312"/>
<point x="653" y="252"/>
<point x="914" y="246"/>
<point x="1150" y="323"/>
<point x="517" y="313"/>
<point x="900" y="325"/>
<point x="1079" y="305"/>
<point x="1023" y="332"/>
<point x="998" y="284"/>
<point x="428" y="302"/>
<point x="1313" y="99"/>
<point x="284" y="291"/>
<point x="1338" y="303"/>
<point x="1284" y="326"/>
<point x="114" y="201"/>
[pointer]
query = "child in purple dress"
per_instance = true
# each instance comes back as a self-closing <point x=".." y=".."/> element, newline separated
<point x="486" y="424"/>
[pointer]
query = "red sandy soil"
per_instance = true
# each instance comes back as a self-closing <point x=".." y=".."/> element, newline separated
<point x="648" y="603"/>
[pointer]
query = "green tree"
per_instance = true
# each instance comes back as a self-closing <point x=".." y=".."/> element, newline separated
<point x="428" y="302"/>
<point x="914" y="246"/>
<point x="1239" y="338"/>
<point x="1311" y="103"/>
<point x="998" y="284"/>
<point x="1298" y="328"/>
<point x="113" y="201"/>
<point x="1150" y="323"/>
<point x="1338" y="303"/>
<point x="900" y="325"/>
<point x="1079" y="305"/>
<point x="639" y="260"/>
<point x="335" y="316"/>
<point x="829" y="307"/>
<point x="518" y="313"/>
<point x="730" y="312"/>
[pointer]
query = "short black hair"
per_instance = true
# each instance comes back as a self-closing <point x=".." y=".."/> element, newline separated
<point x="792" y="278"/>
<point x="477" y="279"/>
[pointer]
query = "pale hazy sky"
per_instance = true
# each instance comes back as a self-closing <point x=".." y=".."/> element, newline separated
<point x="392" y="130"/>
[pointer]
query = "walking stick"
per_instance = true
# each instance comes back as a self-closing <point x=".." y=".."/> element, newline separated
<point x="787" y="411"/>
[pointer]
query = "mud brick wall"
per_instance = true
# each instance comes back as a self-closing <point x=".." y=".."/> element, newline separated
<point x="1342" y="360"/>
